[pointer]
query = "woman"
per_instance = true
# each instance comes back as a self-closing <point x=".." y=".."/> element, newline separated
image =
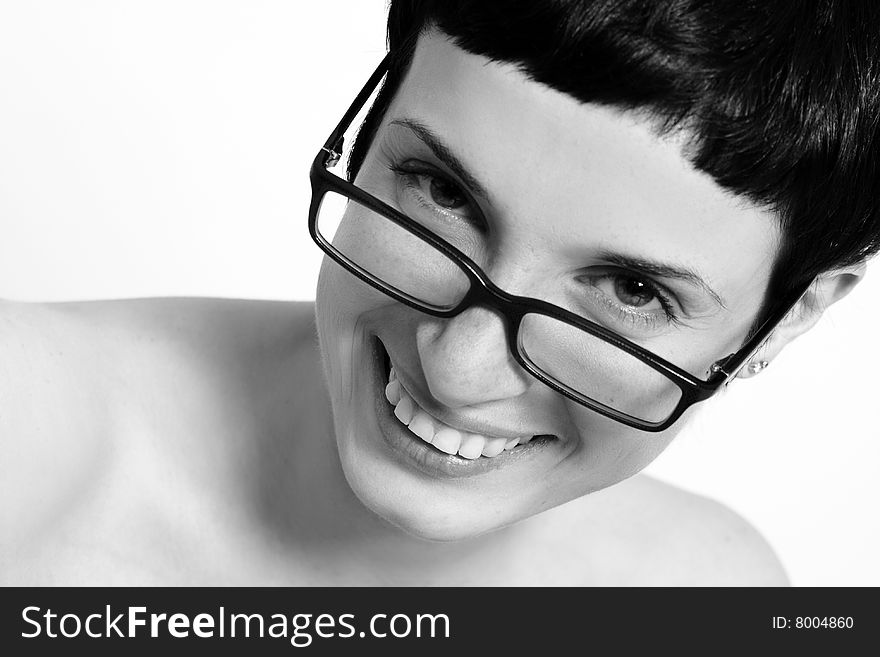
<point x="636" y="221"/>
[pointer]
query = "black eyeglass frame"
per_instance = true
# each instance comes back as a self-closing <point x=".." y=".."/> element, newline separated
<point x="513" y="308"/>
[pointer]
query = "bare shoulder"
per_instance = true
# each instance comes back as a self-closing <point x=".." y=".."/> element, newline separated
<point x="126" y="340"/>
<point x="108" y="354"/>
<point x="203" y="321"/>
<point x="191" y="336"/>
<point x="52" y="407"/>
<point x="692" y="540"/>
<point x="649" y="533"/>
<point x="72" y="375"/>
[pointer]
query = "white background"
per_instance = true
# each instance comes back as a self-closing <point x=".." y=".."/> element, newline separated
<point x="162" y="148"/>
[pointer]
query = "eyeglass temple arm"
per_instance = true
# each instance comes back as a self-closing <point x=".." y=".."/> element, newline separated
<point x="335" y="142"/>
<point x="729" y="366"/>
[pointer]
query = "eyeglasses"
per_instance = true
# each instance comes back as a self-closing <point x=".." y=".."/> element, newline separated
<point x="423" y="263"/>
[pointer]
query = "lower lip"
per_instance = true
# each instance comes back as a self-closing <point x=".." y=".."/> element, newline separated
<point x="414" y="451"/>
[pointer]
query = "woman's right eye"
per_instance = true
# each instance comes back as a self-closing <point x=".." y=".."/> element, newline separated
<point x="428" y="196"/>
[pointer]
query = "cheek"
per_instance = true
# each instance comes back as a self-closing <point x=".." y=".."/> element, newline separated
<point x="341" y="296"/>
<point x="347" y="310"/>
<point x="610" y="452"/>
<point x="340" y="299"/>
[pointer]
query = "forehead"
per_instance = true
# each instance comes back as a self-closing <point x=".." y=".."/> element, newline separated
<point x="590" y="177"/>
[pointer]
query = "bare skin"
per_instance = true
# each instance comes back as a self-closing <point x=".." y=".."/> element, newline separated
<point x="189" y="441"/>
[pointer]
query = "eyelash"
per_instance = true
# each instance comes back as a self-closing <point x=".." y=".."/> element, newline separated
<point x="630" y="316"/>
<point x="409" y="172"/>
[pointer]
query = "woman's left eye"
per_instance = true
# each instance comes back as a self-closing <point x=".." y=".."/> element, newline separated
<point x="634" y="292"/>
<point x="630" y="300"/>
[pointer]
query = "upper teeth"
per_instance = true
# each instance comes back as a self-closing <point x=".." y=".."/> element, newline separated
<point x="443" y="437"/>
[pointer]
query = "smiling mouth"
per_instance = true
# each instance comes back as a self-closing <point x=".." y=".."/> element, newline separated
<point x="452" y="442"/>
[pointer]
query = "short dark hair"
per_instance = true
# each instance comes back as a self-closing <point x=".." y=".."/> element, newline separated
<point x="781" y="100"/>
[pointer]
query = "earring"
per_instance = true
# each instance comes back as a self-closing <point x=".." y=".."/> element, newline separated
<point x="757" y="367"/>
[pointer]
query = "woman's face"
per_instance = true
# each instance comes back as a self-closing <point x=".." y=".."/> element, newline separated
<point x="582" y="206"/>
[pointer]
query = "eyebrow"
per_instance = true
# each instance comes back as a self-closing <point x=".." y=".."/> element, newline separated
<point x="441" y="152"/>
<point x="660" y="270"/>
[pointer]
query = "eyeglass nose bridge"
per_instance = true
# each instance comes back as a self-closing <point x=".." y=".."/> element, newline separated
<point x="483" y="292"/>
<point x="512" y="310"/>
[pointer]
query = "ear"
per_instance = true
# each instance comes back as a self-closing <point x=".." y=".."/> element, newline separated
<point x="827" y="289"/>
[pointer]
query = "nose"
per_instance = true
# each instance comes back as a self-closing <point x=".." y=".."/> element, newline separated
<point x="466" y="360"/>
